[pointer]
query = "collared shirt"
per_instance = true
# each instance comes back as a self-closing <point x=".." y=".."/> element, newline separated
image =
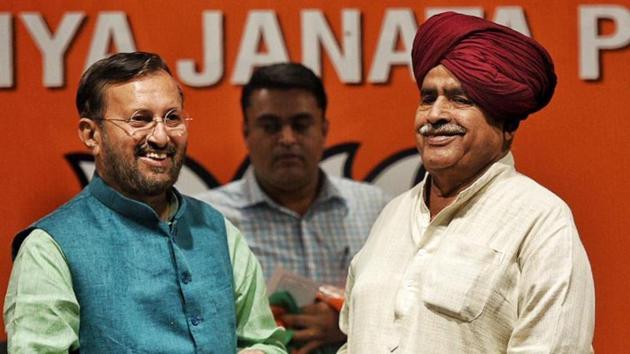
<point x="317" y="245"/>
<point x="501" y="269"/>
<point x="40" y="300"/>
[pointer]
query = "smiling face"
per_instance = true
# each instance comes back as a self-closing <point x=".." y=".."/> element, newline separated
<point x="147" y="163"/>
<point x="453" y="135"/>
<point x="285" y="131"/>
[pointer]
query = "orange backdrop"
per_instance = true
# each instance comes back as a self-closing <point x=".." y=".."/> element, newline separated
<point x="578" y="146"/>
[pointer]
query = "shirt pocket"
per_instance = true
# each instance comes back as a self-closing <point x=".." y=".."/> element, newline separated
<point x="460" y="280"/>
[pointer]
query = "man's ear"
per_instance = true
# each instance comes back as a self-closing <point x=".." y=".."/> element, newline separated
<point x="325" y="124"/>
<point x="508" y="138"/>
<point x="245" y="131"/>
<point x="244" y="128"/>
<point x="89" y="134"/>
<point x="509" y="135"/>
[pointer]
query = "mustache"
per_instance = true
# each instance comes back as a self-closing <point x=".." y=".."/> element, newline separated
<point x="281" y="155"/>
<point x="282" y="152"/>
<point x="145" y="148"/>
<point x="431" y="129"/>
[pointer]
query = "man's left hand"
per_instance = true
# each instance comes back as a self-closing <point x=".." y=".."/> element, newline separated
<point x="318" y="324"/>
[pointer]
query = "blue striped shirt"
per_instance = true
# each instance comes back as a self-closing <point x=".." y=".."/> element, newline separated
<point x="318" y="245"/>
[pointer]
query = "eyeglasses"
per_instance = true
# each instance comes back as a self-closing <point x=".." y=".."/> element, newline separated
<point x="142" y="123"/>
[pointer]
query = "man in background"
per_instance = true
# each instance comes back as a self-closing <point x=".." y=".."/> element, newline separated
<point x="292" y="213"/>
<point x="130" y="264"/>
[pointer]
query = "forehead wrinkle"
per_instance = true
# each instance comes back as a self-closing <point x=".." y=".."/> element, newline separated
<point x="447" y="85"/>
<point x="137" y="95"/>
<point x="267" y="116"/>
<point x="291" y="118"/>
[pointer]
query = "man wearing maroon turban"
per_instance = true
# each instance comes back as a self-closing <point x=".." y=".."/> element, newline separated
<point x="477" y="258"/>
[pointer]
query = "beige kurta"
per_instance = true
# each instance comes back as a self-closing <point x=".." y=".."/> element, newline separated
<point x="502" y="269"/>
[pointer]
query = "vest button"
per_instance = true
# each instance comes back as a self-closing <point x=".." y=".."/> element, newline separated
<point x="186" y="277"/>
<point x="196" y="320"/>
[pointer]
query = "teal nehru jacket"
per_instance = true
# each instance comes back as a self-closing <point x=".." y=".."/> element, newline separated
<point x="142" y="284"/>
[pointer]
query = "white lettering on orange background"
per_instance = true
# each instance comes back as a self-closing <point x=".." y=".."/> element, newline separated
<point x="212" y="23"/>
<point x="592" y="43"/>
<point x="262" y="28"/>
<point x="6" y="50"/>
<point x="53" y="46"/>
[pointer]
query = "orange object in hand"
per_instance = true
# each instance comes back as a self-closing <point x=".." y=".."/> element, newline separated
<point x="331" y="295"/>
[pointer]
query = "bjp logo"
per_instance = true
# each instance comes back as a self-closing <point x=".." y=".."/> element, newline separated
<point x="395" y="174"/>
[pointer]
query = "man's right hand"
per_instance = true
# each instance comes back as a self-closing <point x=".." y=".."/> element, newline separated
<point x="315" y="326"/>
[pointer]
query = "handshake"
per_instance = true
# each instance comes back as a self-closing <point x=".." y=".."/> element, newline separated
<point x="309" y="311"/>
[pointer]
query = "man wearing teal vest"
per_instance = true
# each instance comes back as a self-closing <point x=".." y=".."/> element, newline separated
<point x="130" y="265"/>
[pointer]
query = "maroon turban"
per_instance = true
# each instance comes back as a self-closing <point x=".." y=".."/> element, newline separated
<point x="506" y="73"/>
